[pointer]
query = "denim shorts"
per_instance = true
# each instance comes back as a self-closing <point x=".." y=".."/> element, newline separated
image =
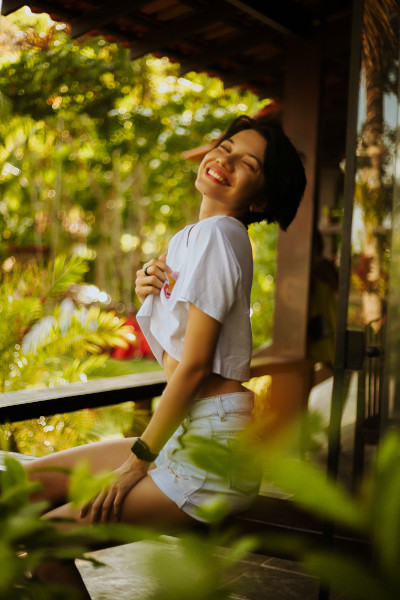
<point x="220" y="418"/>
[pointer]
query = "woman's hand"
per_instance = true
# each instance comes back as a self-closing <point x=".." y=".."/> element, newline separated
<point x="151" y="277"/>
<point x="108" y="504"/>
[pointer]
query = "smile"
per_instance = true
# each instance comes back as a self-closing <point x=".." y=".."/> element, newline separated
<point x="218" y="176"/>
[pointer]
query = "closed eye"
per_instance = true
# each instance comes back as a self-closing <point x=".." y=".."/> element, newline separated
<point x="250" y="165"/>
<point x="224" y="147"/>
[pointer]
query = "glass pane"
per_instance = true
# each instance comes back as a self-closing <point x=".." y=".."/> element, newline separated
<point x="391" y="407"/>
<point x="372" y="228"/>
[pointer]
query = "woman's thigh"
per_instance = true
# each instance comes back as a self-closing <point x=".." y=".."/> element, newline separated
<point x="145" y="505"/>
<point x="100" y="456"/>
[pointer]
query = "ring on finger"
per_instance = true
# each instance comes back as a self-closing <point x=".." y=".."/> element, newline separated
<point x="145" y="271"/>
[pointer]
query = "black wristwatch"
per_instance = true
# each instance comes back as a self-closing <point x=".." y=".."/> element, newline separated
<point x="142" y="451"/>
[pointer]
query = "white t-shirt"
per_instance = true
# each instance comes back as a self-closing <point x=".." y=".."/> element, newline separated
<point x="213" y="269"/>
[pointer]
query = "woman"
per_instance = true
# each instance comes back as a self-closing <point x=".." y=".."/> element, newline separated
<point x="195" y="315"/>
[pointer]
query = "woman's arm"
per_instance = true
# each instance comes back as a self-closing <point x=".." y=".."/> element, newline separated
<point x="196" y="364"/>
<point x="201" y="337"/>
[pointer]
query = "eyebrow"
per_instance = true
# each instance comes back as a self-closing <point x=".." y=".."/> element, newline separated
<point x="248" y="153"/>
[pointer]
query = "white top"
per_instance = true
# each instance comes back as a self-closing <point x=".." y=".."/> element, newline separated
<point x="213" y="269"/>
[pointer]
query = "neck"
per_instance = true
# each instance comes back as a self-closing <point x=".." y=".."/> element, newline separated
<point x="212" y="209"/>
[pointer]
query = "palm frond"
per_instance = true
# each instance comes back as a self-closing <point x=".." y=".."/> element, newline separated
<point x="81" y="369"/>
<point x="62" y="273"/>
<point x="88" y="331"/>
<point x="379" y="29"/>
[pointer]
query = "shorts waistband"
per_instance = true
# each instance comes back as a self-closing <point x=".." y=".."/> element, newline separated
<point x="237" y="402"/>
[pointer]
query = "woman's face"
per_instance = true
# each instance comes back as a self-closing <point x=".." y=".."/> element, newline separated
<point x="231" y="175"/>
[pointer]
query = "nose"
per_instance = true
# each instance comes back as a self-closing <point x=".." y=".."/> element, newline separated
<point x="226" y="161"/>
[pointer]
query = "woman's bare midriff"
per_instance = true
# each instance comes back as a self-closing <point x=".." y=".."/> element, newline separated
<point x="213" y="385"/>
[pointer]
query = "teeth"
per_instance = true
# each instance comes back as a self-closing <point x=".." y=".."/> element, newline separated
<point x="217" y="176"/>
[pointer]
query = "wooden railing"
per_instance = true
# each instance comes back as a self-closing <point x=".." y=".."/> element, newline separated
<point x="268" y="515"/>
<point x="32" y="403"/>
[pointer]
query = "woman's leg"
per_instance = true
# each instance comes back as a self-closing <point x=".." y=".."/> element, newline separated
<point x="145" y="505"/>
<point x="101" y="456"/>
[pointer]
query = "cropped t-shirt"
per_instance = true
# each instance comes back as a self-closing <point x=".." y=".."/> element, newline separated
<point x="213" y="269"/>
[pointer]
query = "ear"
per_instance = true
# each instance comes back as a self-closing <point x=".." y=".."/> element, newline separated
<point x="259" y="204"/>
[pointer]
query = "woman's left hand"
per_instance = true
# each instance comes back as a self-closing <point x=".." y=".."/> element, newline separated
<point x="108" y="504"/>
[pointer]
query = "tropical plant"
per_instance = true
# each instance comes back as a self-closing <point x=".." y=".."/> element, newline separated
<point x="27" y="540"/>
<point x="46" y="342"/>
<point x="373" y="515"/>
<point x="43" y="343"/>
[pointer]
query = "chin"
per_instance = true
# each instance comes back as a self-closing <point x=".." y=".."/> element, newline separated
<point x="201" y="185"/>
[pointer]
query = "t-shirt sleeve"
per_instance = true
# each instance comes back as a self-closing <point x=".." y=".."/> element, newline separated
<point x="210" y="276"/>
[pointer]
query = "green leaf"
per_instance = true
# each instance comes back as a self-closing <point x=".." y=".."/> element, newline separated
<point x="21" y="528"/>
<point x="240" y="549"/>
<point x="84" y="486"/>
<point x="63" y="273"/>
<point x="209" y="455"/>
<point x="384" y="504"/>
<point x="314" y="491"/>
<point x="346" y="575"/>
<point x="14" y="475"/>
<point x="9" y="569"/>
<point x="17" y="496"/>
<point x="213" y="511"/>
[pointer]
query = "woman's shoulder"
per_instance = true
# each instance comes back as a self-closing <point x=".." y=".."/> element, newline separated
<point x="228" y="227"/>
<point x="180" y="236"/>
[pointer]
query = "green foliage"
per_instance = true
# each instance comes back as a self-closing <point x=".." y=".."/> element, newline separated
<point x="91" y="159"/>
<point x="61" y="274"/>
<point x="374" y="515"/>
<point x="84" y="487"/>
<point x="264" y="240"/>
<point x="23" y="295"/>
<point x="28" y="540"/>
<point x="43" y="344"/>
<point x="192" y="567"/>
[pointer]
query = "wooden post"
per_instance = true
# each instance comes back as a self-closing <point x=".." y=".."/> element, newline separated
<point x="290" y="387"/>
<point x="300" y="122"/>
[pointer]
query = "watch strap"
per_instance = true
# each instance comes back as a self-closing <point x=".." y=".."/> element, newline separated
<point x="142" y="451"/>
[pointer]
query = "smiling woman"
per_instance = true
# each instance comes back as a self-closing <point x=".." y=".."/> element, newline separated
<point x="195" y="316"/>
<point x="231" y="176"/>
<point x="279" y="163"/>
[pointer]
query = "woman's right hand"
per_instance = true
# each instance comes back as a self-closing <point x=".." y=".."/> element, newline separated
<point x="154" y="281"/>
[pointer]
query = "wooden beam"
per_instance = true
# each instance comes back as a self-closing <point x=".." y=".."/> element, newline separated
<point x="227" y="49"/>
<point x="30" y="404"/>
<point x="254" y="72"/>
<point x="179" y="30"/>
<point x="45" y="6"/>
<point x="286" y="16"/>
<point x="10" y="6"/>
<point x="104" y="14"/>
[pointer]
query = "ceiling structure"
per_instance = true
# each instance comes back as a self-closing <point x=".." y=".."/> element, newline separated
<point x="241" y="41"/>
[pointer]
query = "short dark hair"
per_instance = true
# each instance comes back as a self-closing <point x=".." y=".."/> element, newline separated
<point x="285" y="179"/>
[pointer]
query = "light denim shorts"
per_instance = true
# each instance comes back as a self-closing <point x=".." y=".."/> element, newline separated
<point x="220" y="418"/>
